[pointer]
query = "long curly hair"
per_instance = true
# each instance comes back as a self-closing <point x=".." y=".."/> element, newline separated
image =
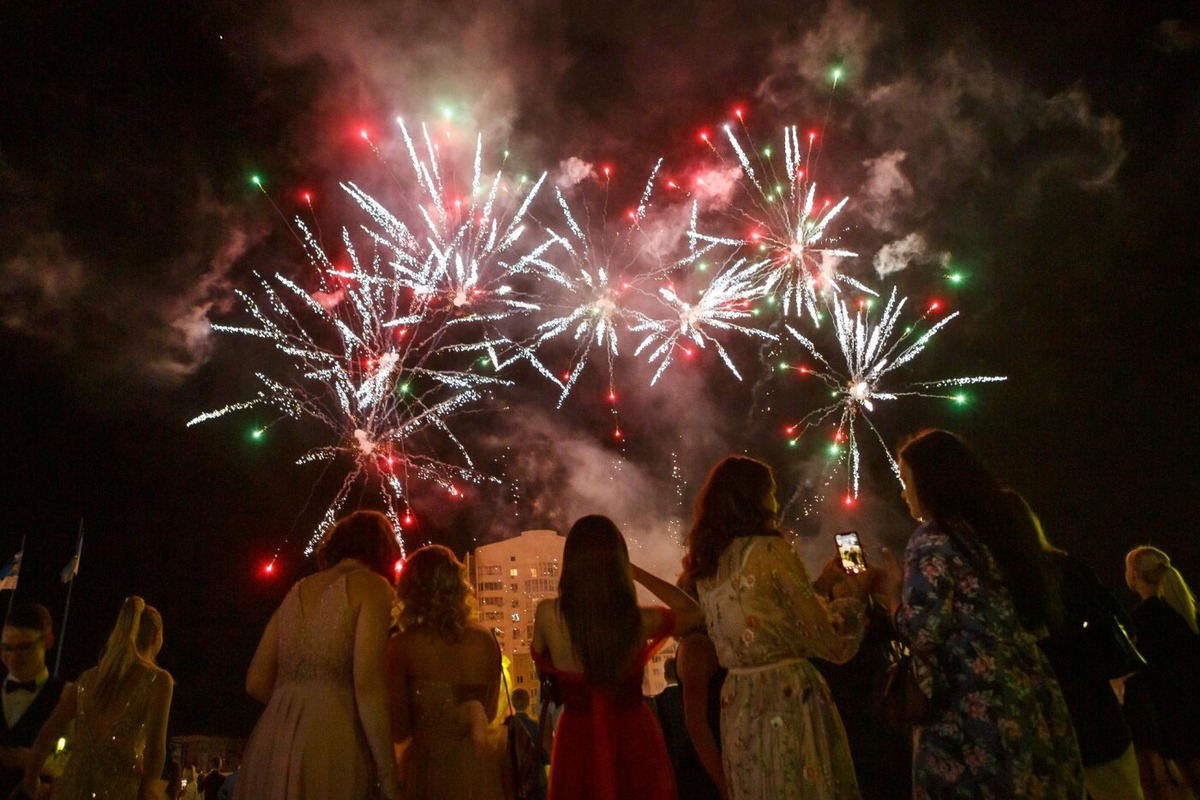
<point x="953" y="485"/>
<point x="597" y="599"/>
<point x="433" y="591"/>
<point x="730" y="504"/>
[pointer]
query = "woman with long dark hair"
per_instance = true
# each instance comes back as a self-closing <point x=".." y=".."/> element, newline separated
<point x="444" y="680"/>
<point x="595" y="640"/>
<point x="781" y="735"/>
<point x="972" y="601"/>
<point x="120" y="708"/>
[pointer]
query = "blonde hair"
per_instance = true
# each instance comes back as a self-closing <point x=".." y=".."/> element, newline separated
<point x="132" y="640"/>
<point x="433" y="591"/>
<point x="1154" y="567"/>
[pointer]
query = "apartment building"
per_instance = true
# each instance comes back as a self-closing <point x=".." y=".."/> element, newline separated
<point x="510" y="578"/>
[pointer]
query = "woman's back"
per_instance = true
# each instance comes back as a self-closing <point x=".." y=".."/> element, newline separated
<point x="452" y="690"/>
<point x="316" y="631"/>
<point x="608" y="743"/>
<point x="309" y="741"/>
<point x="110" y="736"/>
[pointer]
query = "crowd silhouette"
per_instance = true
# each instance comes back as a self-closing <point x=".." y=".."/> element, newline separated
<point x="1030" y="679"/>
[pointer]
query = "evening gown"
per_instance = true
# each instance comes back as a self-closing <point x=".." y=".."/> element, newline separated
<point x="309" y="742"/>
<point x="455" y="754"/>
<point x="781" y="736"/>
<point x="106" y="760"/>
<point x="608" y="745"/>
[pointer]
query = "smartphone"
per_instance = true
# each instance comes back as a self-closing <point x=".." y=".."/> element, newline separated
<point x="851" y="552"/>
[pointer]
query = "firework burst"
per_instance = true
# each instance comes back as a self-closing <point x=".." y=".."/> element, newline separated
<point x="371" y="366"/>
<point x="722" y="306"/>
<point x="871" y="353"/>
<point x="787" y="227"/>
<point x="601" y="285"/>
<point x="459" y="261"/>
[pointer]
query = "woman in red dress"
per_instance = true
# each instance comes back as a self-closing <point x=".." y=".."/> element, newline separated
<point x="595" y="641"/>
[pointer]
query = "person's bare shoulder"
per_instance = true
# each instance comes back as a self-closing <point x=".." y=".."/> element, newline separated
<point x="363" y="584"/>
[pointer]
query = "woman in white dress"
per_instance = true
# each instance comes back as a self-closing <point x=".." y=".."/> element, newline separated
<point x="781" y="736"/>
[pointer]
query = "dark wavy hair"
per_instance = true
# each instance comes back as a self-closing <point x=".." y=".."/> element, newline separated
<point x="953" y="485"/>
<point x="598" y="601"/>
<point x="729" y="505"/>
<point x="433" y="591"/>
<point x="364" y="535"/>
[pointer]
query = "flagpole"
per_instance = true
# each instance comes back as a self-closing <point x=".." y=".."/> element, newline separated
<point x="13" y="596"/>
<point x="62" y="633"/>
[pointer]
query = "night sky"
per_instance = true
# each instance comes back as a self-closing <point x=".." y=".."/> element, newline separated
<point x="1049" y="154"/>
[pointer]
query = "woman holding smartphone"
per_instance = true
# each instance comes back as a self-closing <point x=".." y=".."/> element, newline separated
<point x="781" y="735"/>
<point x="971" y="602"/>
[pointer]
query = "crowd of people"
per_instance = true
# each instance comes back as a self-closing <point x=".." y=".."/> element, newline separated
<point x="1029" y="685"/>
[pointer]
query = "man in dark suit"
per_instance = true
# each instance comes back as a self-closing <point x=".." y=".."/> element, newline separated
<point x="29" y="693"/>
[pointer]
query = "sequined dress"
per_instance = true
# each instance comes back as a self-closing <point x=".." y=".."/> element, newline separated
<point x="309" y="742"/>
<point x="454" y="753"/>
<point x="781" y="736"/>
<point x="106" y="759"/>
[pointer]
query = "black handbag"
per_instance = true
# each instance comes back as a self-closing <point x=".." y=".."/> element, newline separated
<point x="904" y="701"/>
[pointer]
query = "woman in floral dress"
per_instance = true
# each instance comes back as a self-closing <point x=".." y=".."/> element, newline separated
<point x="781" y="736"/>
<point x="973" y="600"/>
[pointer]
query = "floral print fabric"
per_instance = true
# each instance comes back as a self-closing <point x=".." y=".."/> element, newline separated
<point x="781" y="736"/>
<point x="999" y="727"/>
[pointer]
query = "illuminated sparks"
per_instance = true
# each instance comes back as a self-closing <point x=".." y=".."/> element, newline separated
<point x="371" y="362"/>
<point x="601" y="288"/>
<point x="871" y="356"/>
<point x="721" y="307"/>
<point x="786" y="225"/>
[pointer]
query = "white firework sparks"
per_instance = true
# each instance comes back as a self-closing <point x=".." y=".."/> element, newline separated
<point x="788" y="229"/>
<point x="599" y="287"/>
<point x="720" y="307"/>
<point x="871" y="357"/>
<point x="369" y="365"/>
<point x="460" y="260"/>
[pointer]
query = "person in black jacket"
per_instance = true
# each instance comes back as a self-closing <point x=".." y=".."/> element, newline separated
<point x="29" y="693"/>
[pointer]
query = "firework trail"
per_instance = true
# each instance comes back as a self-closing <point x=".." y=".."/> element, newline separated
<point x="787" y="227"/>
<point x="600" y="288"/>
<point x="460" y="260"/>
<point x="369" y="363"/>
<point x="720" y="307"/>
<point x="871" y="356"/>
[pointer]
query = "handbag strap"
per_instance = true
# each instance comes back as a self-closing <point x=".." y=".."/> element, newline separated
<point x="504" y="676"/>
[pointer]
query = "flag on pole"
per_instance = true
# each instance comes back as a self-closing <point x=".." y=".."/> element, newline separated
<point x="72" y="568"/>
<point x="10" y="572"/>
